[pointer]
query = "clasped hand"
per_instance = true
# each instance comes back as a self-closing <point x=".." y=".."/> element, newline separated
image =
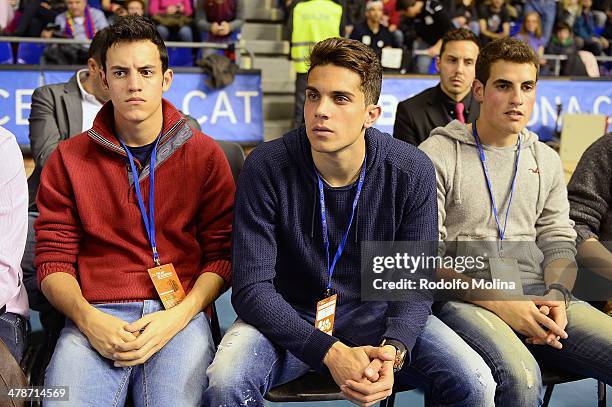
<point x="364" y="373"/>
<point x="129" y="344"/>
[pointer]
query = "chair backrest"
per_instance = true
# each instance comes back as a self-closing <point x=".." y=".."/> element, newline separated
<point x="6" y="53"/>
<point x="180" y="56"/>
<point x="29" y="53"/>
<point x="235" y="156"/>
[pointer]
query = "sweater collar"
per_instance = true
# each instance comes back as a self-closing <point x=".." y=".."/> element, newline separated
<point x="103" y="129"/>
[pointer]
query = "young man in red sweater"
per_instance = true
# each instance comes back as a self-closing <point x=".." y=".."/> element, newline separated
<point x="133" y="265"/>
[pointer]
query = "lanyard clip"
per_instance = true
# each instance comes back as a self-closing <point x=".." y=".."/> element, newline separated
<point x="328" y="292"/>
<point x="156" y="256"/>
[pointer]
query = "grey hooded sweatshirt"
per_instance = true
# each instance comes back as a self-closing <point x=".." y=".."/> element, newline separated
<point x="539" y="212"/>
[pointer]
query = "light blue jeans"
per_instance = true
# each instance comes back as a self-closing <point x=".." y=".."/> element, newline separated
<point x="174" y="376"/>
<point x="247" y="365"/>
<point x="586" y="351"/>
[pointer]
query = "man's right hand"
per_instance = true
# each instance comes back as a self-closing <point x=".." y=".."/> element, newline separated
<point x="525" y="318"/>
<point x="105" y="332"/>
<point x="346" y="363"/>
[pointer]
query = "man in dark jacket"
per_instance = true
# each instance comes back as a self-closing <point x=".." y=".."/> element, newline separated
<point x="451" y="99"/>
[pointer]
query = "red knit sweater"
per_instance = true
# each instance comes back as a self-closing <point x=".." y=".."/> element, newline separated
<point x="90" y="224"/>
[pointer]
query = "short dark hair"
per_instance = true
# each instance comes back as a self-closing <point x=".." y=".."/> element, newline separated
<point x="458" y="34"/>
<point x="134" y="28"/>
<point x="402" y="5"/>
<point x="506" y="49"/>
<point x="96" y="46"/>
<point x="562" y="25"/>
<point x="353" y="55"/>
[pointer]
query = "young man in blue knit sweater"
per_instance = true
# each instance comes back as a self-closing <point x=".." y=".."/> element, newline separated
<point x="304" y="205"/>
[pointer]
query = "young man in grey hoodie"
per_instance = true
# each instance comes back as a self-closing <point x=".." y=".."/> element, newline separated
<point x="497" y="184"/>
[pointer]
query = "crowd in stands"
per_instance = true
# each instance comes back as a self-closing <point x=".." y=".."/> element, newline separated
<point x="176" y="20"/>
<point x="577" y="29"/>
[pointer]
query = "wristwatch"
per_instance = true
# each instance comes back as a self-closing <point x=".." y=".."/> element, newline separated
<point x="400" y="353"/>
<point x="567" y="295"/>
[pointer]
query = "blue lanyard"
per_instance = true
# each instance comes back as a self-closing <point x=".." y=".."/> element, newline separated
<point x="483" y="160"/>
<point x="149" y="221"/>
<point x="330" y="269"/>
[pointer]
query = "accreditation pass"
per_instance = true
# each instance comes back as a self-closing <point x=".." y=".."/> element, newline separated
<point x="326" y="311"/>
<point x="35" y="393"/>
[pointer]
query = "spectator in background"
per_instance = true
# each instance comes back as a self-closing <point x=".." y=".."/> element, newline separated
<point x="35" y="15"/>
<point x="135" y="7"/>
<point x="430" y="23"/>
<point x="570" y="11"/>
<point x="355" y="14"/>
<point x="564" y="43"/>
<point x="173" y="18"/>
<point x="59" y="112"/>
<point x="219" y="20"/>
<point x="311" y="21"/>
<point x="14" y="309"/>
<point x="451" y="99"/>
<point x="585" y="28"/>
<point x="371" y="32"/>
<point x="80" y="21"/>
<point x="547" y="10"/>
<point x="464" y="14"/>
<point x="531" y="33"/>
<point x="494" y="21"/>
<point x="7" y="13"/>
<point x="391" y="20"/>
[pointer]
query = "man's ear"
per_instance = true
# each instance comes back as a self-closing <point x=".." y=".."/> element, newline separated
<point x="372" y="114"/>
<point x="168" y="76"/>
<point x="478" y="89"/>
<point x="91" y="64"/>
<point x="438" y="64"/>
<point x="103" y="79"/>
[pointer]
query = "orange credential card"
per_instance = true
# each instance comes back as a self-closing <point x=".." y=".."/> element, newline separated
<point x="167" y="285"/>
<point x="326" y="313"/>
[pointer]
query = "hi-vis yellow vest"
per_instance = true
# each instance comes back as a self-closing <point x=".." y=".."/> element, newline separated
<point x="313" y="21"/>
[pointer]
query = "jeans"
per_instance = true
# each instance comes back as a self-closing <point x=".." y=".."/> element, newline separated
<point x="513" y="363"/>
<point x="13" y="332"/>
<point x="247" y="365"/>
<point x="184" y="33"/>
<point x="175" y="375"/>
<point x="423" y="62"/>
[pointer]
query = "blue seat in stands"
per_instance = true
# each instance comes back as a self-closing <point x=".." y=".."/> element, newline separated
<point x="6" y="53"/>
<point x="180" y="56"/>
<point x="30" y="53"/>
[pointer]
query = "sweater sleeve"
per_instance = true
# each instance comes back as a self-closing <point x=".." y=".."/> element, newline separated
<point x="406" y="319"/>
<point x="58" y="227"/>
<point x="555" y="234"/>
<point x="590" y="191"/>
<point x="238" y="22"/>
<point x="254" y="296"/>
<point x="215" y="217"/>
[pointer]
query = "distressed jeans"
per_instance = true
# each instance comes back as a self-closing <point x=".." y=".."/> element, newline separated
<point x="586" y="351"/>
<point x="247" y="365"/>
<point x="174" y="376"/>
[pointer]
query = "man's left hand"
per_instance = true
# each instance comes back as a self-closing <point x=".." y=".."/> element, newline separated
<point x="367" y="394"/>
<point x="554" y="309"/>
<point x="157" y="329"/>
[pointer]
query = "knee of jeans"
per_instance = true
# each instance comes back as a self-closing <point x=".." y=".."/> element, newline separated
<point x="522" y="376"/>
<point x="479" y="385"/>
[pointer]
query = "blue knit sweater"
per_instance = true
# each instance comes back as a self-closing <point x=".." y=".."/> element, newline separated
<point x="279" y="261"/>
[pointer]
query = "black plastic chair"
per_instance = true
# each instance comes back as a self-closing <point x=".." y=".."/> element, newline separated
<point x="552" y="377"/>
<point x="315" y="386"/>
